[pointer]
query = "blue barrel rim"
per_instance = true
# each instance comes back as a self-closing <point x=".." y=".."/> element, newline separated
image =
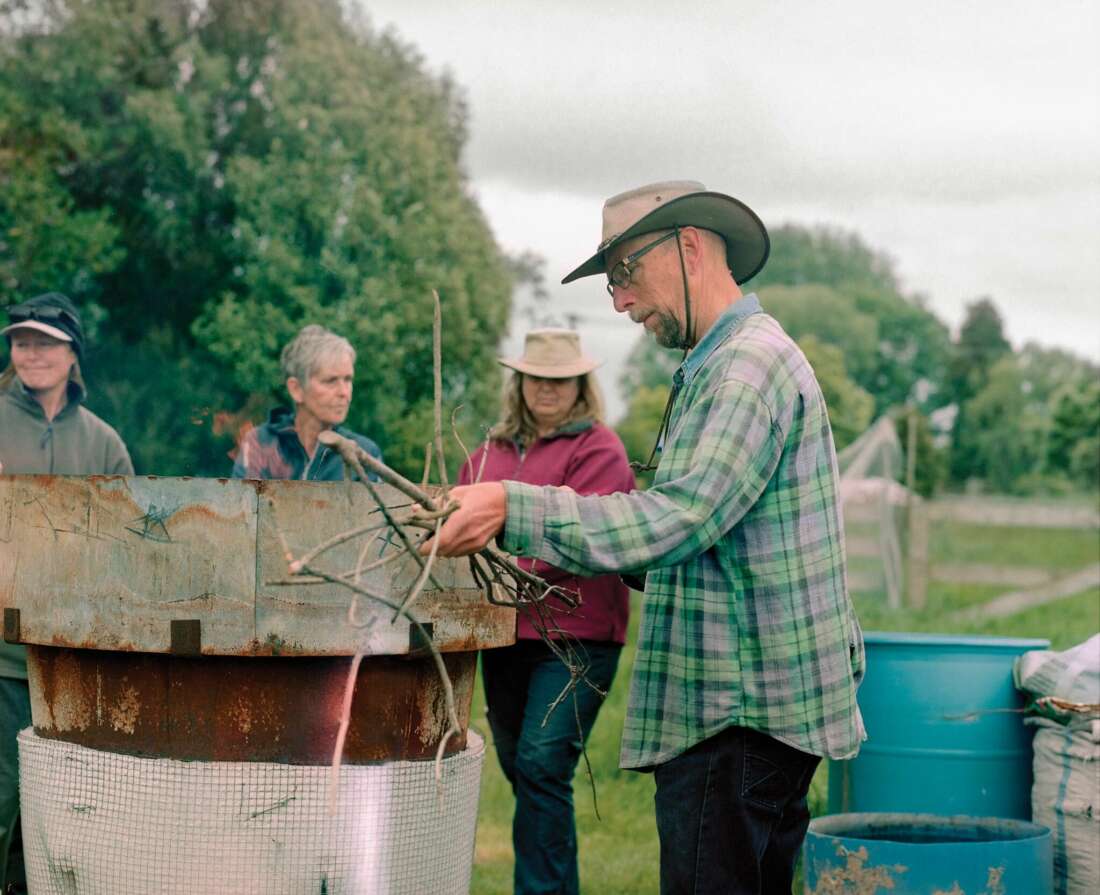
<point x="840" y="826"/>
<point x="917" y="638"/>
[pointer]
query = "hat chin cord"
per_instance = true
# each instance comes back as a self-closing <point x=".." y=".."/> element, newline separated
<point x="666" y="417"/>
<point x="689" y="336"/>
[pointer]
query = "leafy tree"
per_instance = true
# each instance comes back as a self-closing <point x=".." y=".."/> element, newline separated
<point x="850" y="407"/>
<point x="980" y="345"/>
<point x="648" y="366"/>
<point x="639" y="426"/>
<point x="907" y="361"/>
<point x="229" y="171"/>
<point x="1006" y="433"/>
<point x="1074" y="444"/>
<point x="913" y="351"/>
<point x="1048" y="372"/>
<point x="825" y="256"/>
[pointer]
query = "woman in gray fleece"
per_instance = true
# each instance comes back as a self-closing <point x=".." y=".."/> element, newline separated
<point x="43" y="429"/>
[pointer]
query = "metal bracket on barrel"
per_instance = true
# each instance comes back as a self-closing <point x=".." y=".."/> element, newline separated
<point x="12" y="632"/>
<point x="186" y="637"/>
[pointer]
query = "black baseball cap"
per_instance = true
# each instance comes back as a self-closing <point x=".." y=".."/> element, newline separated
<point x="51" y="313"/>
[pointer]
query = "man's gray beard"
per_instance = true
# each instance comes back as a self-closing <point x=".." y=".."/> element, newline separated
<point x="669" y="334"/>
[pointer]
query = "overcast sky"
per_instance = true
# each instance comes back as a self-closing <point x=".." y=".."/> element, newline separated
<point x="961" y="138"/>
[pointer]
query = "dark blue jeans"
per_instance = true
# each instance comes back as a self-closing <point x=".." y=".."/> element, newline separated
<point x="732" y="814"/>
<point x="15" y="714"/>
<point x="521" y="682"/>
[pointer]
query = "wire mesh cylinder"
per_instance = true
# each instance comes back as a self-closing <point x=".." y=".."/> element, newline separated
<point x="102" y="823"/>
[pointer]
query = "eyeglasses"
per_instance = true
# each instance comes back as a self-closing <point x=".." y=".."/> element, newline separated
<point x="620" y="275"/>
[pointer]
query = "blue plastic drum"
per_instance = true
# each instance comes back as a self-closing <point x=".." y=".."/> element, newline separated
<point x="945" y="730"/>
<point x="924" y="854"/>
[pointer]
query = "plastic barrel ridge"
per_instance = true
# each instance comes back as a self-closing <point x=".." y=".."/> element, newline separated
<point x="945" y="729"/>
<point x="924" y="854"/>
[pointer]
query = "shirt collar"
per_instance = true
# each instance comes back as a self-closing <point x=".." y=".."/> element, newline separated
<point x="718" y="333"/>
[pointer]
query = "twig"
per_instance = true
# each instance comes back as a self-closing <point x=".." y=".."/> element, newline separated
<point x="455" y="728"/>
<point x="484" y="457"/>
<point x="335" y="541"/>
<point x="587" y="763"/>
<point x="342" y="733"/>
<point x="427" y="474"/>
<point x="437" y="367"/>
<point x="352" y="452"/>
<point x="457" y="437"/>
<point x="414" y="592"/>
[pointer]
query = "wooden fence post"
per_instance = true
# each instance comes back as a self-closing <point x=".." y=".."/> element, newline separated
<point x="916" y="556"/>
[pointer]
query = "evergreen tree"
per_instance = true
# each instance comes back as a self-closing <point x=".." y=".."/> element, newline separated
<point x="980" y="345"/>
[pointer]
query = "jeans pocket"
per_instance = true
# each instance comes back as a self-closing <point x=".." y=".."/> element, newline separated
<point x="771" y="774"/>
<point x="763" y="783"/>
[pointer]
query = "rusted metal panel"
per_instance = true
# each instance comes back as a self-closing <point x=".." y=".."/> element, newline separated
<point x="107" y="562"/>
<point x="227" y="708"/>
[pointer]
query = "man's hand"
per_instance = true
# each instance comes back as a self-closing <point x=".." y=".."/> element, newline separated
<point x="475" y="523"/>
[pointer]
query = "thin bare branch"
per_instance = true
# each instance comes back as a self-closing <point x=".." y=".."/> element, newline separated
<point x="342" y="732"/>
<point x="414" y="592"/>
<point x="457" y="437"/>
<point x="455" y="728"/>
<point x="336" y="541"/>
<point x="353" y="453"/>
<point x="484" y="457"/>
<point x="437" y="368"/>
<point x="426" y="476"/>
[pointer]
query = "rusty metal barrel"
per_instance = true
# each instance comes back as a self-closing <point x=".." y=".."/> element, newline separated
<point x="164" y="648"/>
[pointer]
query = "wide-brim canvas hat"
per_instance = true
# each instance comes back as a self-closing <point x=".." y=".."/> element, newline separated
<point x="552" y="354"/>
<point x="681" y="203"/>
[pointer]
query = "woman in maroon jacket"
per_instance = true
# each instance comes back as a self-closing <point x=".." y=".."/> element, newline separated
<point x="552" y="433"/>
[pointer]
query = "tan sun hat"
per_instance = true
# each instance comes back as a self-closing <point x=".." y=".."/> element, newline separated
<point x="552" y="354"/>
<point x="681" y="203"/>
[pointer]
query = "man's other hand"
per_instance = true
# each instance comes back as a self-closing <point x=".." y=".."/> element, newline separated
<point x="478" y="520"/>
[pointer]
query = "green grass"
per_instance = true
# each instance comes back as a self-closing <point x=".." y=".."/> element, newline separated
<point x="1054" y="548"/>
<point x="617" y="850"/>
<point x="619" y="853"/>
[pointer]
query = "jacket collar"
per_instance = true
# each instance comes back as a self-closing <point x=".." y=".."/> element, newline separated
<point x="731" y="318"/>
<point x="74" y="397"/>
<point x="281" y="420"/>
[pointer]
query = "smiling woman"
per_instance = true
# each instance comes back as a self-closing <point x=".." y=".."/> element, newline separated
<point x="43" y="426"/>
<point x="43" y="429"/>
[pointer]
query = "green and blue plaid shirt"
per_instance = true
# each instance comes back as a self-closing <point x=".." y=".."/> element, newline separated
<point x="746" y="618"/>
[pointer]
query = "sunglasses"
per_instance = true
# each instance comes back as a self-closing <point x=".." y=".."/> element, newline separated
<point x="41" y="313"/>
<point x="620" y="275"/>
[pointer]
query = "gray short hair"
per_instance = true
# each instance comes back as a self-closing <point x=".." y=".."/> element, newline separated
<point x="309" y="349"/>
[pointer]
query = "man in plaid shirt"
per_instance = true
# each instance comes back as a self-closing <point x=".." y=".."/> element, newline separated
<point x="749" y="651"/>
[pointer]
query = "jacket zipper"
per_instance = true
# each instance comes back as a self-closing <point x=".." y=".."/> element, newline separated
<point x="47" y="436"/>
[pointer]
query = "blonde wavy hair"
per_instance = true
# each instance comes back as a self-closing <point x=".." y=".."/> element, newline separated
<point x="516" y="422"/>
